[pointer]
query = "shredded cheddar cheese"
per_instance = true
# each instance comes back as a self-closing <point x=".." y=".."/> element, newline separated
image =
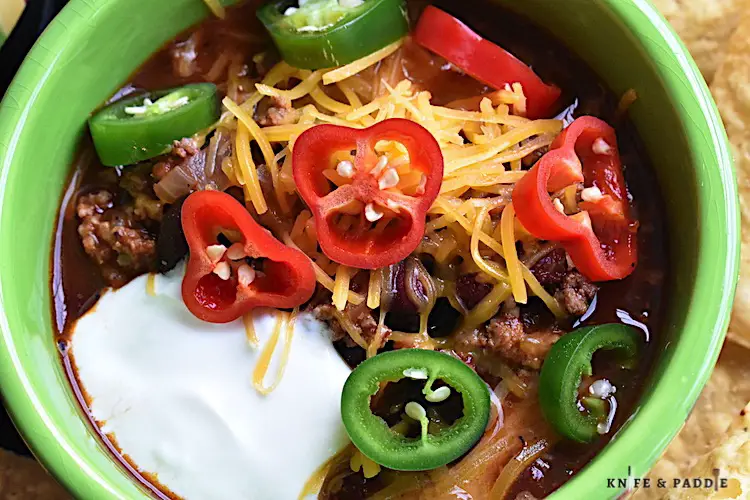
<point x="320" y="97"/>
<point x="255" y="131"/>
<point x="351" y="96"/>
<point x="377" y="342"/>
<point x="538" y="290"/>
<point x="355" y="67"/>
<point x="373" y="290"/>
<point x="511" y="255"/>
<point x="341" y="287"/>
<point x="488" y="307"/>
<point x="490" y="267"/>
<point x="248" y="170"/>
<point x="323" y="277"/>
<point x="483" y="142"/>
<point x="249" y="322"/>
<point x="285" y="323"/>
<point x="151" y="285"/>
<point x="359" y="461"/>
<point x="301" y="90"/>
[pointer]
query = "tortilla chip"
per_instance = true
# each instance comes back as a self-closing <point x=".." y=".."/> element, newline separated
<point x="24" y="479"/>
<point x="727" y="392"/>
<point x="731" y="460"/>
<point x="705" y="26"/>
<point x="731" y="89"/>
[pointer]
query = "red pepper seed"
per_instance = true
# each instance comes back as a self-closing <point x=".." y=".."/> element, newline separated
<point x="236" y="252"/>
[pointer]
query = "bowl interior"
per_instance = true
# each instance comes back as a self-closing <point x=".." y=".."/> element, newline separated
<point x="43" y="116"/>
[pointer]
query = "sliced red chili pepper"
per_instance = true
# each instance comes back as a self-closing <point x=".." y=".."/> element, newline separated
<point x="390" y="214"/>
<point x="222" y="283"/>
<point x="595" y="144"/>
<point x="451" y="39"/>
<point x="601" y="240"/>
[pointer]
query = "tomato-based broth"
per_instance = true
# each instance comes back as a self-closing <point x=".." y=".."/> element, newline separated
<point x="279" y="288"/>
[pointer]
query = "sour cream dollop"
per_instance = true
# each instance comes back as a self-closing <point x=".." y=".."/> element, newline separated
<point x="177" y="395"/>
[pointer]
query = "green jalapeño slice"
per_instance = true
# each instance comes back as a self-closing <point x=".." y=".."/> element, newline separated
<point x="138" y="128"/>
<point x="576" y="418"/>
<point x="314" y="34"/>
<point x="389" y="448"/>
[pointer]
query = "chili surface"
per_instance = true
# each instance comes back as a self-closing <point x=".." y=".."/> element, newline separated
<point x="77" y="283"/>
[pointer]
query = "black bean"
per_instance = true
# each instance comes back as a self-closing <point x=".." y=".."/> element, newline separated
<point x="403" y="322"/>
<point x="443" y="319"/>
<point x="352" y="355"/>
<point x="171" y="245"/>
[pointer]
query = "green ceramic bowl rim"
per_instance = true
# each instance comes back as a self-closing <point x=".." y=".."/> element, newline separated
<point x="656" y="423"/>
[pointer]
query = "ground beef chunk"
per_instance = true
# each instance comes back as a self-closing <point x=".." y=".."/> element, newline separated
<point x="93" y="204"/>
<point x="508" y="337"/>
<point x="182" y="152"/>
<point x="138" y="183"/>
<point x="360" y="316"/>
<point x="573" y="290"/>
<point x="576" y="293"/>
<point x="276" y="111"/>
<point x="184" y="148"/>
<point x="113" y="238"/>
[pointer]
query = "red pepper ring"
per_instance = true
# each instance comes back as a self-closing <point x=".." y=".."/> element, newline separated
<point x="485" y="61"/>
<point x="595" y="143"/>
<point x="370" y="244"/>
<point x="286" y="279"/>
<point x="601" y="241"/>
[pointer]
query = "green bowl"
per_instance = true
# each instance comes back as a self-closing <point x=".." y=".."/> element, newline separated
<point x="94" y="45"/>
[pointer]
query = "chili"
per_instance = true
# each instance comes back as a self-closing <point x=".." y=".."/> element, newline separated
<point x="253" y="269"/>
<point x="141" y="127"/>
<point x="567" y="362"/>
<point x="602" y="238"/>
<point x="390" y="212"/>
<point x="371" y="434"/>
<point x="451" y="39"/>
<point x="326" y="33"/>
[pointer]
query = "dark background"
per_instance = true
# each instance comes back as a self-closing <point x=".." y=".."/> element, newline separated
<point x="36" y="16"/>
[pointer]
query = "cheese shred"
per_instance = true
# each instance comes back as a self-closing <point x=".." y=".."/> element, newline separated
<point x="355" y="67"/>
<point x="301" y="90"/>
<point x="537" y="289"/>
<point x="517" y="283"/>
<point x="377" y="342"/>
<point x="373" y="290"/>
<point x="341" y="287"/>
<point x="490" y="267"/>
<point x="484" y="141"/>
<point x="327" y="102"/>
<point x="151" y="285"/>
<point x="248" y="170"/>
<point x="248" y="320"/>
<point x="323" y="277"/>
<point x="284" y="322"/>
